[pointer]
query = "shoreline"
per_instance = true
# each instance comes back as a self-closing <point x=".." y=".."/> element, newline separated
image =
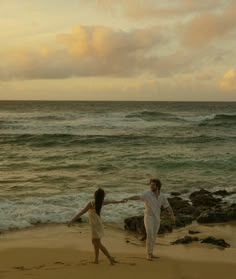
<point x="48" y="251"/>
<point x="225" y="230"/>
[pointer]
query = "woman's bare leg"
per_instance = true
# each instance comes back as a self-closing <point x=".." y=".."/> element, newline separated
<point x="106" y="253"/>
<point x="96" y="250"/>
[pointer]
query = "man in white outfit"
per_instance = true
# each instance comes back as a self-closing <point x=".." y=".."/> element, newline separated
<point x="154" y="200"/>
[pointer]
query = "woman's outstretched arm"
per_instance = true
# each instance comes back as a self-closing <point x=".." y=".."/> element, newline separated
<point x="106" y="202"/>
<point x="77" y="216"/>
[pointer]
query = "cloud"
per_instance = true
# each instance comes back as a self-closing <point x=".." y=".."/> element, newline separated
<point x="146" y="9"/>
<point x="209" y="26"/>
<point x="205" y="76"/>
<point x="228" y="82"/>
<point x="95" y="51"/>
<point x="100" y="41"/>
<point x="99" y="51"/>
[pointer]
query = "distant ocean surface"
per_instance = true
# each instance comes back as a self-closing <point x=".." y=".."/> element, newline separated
<point x="54" y="155"/>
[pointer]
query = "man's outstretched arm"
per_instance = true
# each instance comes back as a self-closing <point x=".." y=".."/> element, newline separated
<point x="133" y="198"/>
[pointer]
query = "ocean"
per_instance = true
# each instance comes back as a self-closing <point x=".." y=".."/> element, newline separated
<point x="54" y="155"/>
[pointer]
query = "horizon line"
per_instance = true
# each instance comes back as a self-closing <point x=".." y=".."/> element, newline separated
<point x="182" y="101"/>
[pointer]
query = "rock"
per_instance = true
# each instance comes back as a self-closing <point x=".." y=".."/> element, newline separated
<point x="222" y="193"/>
<point x="165" y="227"/>
<point x="182" y="209"/>
<point x="79" y="220"/>
<point x="176" y="194"/>
<point x="210" y="239"/>
<point x="183" y="220"/>
<point x="219" y="215"/>
<point x="205" y="208"/>
<point x="211" y="217"/>
<point x="199" y="192"/>
<point x="204" y="199"/>
<point x="231" y="212"/>
<point x="186" y="240"/>
<point x="135" y="224"/>
<point x="181" y="206"/>
<point x="193" y="232"/>
<point x="219" y="242"/>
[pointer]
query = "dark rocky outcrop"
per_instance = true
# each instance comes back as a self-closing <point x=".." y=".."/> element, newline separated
<point x="204" y="199"/>
<point x="222" y="193"/>
<point x="181" y="206"/>
<point x="211" y="240"/>
<point x="218" y="215"/>
<point x="183" y="220"/>
<point x="193" y="232"/>
<point x="165" y="227"/>
<point x="79" y="220"/>
<point x="205" y="208"/>
<point x="175" y="194"/>
<point x="219" y="242"/>
<point x="135" y="224"/>
<point x="185" y="240"/>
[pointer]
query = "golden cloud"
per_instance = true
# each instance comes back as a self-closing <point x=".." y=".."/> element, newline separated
<point x="228" y="82"/>
<point x="94" y="51"/>
<point x="104" y="41"/>
<point x="206" y="27"/>
<point x="146" y="9"/>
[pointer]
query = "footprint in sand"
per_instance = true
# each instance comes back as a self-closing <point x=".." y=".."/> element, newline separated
<point x="131" y="264"/>
<point x="39" y="266"/>
<point x="59" y="263"/>
<point x="21" y="268"/>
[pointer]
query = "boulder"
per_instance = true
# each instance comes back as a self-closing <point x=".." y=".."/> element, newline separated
<point x="181" y="206"/>
<point x="219" y="242"/>
<point x="79" y="220"/>
<point x="199" y="192"/>
<point x="175" y="194"/>
<point x="165" y="227"/>
<point x="210" y="216"/>
<point x="185" y="240"/>
<point x="219" y="215"/>
<point x="193" y="232"/>
<point x="222" y="193"/>
<point x="210" y="239"/>
<point x="135" y="224"/>
<point x="205" y="208"/>
<point x="183" y="220"/>
<point x="204" y="199"/>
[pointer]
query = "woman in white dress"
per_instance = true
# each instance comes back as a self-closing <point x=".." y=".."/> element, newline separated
<point x="94" y="209"/>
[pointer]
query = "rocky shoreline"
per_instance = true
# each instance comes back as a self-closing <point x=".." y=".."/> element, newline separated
<point x="203" y="206"/>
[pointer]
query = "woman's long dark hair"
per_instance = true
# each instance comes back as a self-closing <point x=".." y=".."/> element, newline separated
<point x="99" y="198"/>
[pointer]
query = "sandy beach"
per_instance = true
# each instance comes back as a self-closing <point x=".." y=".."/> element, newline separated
<point x="57" y="251"/>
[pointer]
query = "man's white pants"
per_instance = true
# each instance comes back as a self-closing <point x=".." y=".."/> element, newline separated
<point x="152" y="225"/>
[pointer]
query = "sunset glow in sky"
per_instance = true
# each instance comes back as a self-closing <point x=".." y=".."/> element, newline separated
<point x="118" y="50"/>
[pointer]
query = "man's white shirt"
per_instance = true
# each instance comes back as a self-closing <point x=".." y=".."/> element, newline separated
<point x="153" y="204"/>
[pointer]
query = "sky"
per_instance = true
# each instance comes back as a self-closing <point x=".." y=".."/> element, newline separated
<point x="140" y="50"/>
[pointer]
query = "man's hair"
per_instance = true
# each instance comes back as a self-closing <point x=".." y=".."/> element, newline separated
<point x="157" y="182"/>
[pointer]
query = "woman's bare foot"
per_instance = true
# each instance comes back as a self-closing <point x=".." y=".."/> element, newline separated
<point x="155" y="257"/>
<point x="112" y="261"/>
<point x="149" y="257"/>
